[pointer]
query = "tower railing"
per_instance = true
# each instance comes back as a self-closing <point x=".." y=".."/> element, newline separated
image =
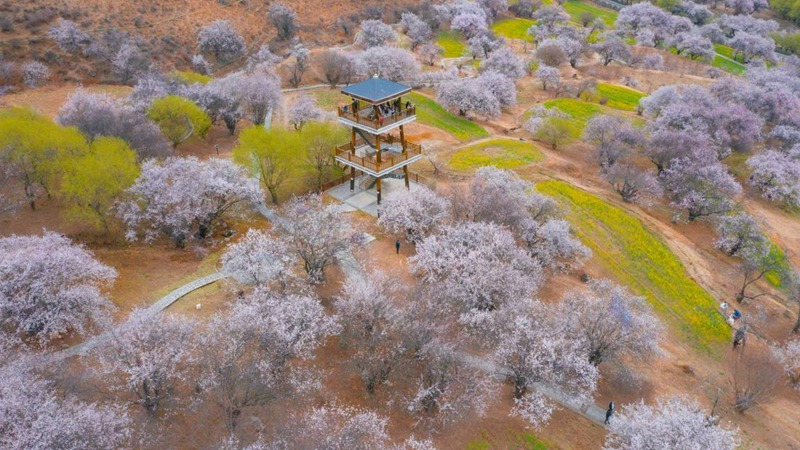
<point x="362" y="116"/>
<point x="388" y="159"/>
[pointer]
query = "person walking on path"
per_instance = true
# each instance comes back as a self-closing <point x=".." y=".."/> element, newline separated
<point x="609" y="413"/>
<point x="397" y="247"/>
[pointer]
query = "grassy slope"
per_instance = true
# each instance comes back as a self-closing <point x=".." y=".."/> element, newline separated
<point x="724" y="60"/>
<point x="516" y="28"/>
<point x="452" y="44"/>
<point x="640" y="260"/>
<point x="431" y="113"/>
<point x="501" y="153"/>
<point x="575" y="7"/>
<point x="619" y="97"/>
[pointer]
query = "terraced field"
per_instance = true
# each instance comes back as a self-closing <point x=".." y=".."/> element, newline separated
<point x="620" y="97"/>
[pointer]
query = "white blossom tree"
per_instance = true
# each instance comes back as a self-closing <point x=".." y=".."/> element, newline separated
<point x="303" y="109"/>
<point x="633" y="184"/>
<point x="336" y="426"/>
<point x="260" y="93"/>
<point x="468" y="97"/>
<point x="414" y="213"/>
<point x="258" y="258"/>
<point x="68" y="35"/>
<point x="36" y="416"/>
<point x="248" y="353"/>
<point x="221" y="39"/>
<point x="318" y="232"/>
<point x="284" y="19"/>
<point x="534" y="348"/>
<point x="50" y="286"/>
<point x="375" y="33"/>
<point x="739" y="234"/>
<point x="552" y="245"/>
<point x="391" y="63"/>
<point x="34" y="74"/>
<point x="374" y="327"/>
<point x="478" y="266"/>
<point x="506" y="62"/>
<point x="673" y="422"/>
<point x="611" y="322"/>
<point x="185" y="198"/>
<point x="100" y="115"/>
<point x="777" y="175"/>
<point x="150" y="355"/>
<point x="417" y="30"/>
<point x="701" y="188"/>
<point x="788" y="357"/>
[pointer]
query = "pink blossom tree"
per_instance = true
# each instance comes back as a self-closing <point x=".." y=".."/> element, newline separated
<point x="504" y="61"/>
<point x="185" y="198"/>
<point x="100" y="115"/>
<point x="414" y="213"/>
<point x="633" y="184"/>
<point x="284" y="19"/>
<point x="534" y="349"/>
<point x="788" y="357"/>
<point x="391" y="63"/>
<point x="36" y="415"/>
<point x="700" y="187"/>
<point x="777" y="176"/>
<point x="248" y="353"/>
<point x="375" y="33"/>
<point x="258" y="258"/>
<point x="34" y="74"/>
<point x="221" y="39"/>
<point x="673" y="422"/>
<point x="611" y="322"/>
<point x="374" y="328"/>
<point x="479" y="267"/>
<point x="68" y="35"/>
<point x="417" y="30"/>
<point x="50" y="286"/>
<point x="303" y="109"/>
<point x="318" y="233"/>
<point x="739" y="234"/>
<point x="149" y="357"/>
<point x="468" y="97"/>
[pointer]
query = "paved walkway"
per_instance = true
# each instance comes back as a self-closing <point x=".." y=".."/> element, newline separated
<point x="151" y="311"/>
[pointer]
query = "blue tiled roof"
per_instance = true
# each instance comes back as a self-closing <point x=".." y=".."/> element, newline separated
<point x="376" y="90"/>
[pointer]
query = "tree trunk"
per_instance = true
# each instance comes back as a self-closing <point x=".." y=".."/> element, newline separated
<point x="796" y="328"/>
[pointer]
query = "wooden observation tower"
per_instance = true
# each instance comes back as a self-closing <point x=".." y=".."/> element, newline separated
<point x="377" y="110"/>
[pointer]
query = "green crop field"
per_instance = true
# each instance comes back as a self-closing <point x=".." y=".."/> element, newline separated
<point x="579" y="110"/>
<point x="619" y="97"/>
<point x="501" y="153"/>
<point x="641" y="261"/>
<point x="516" y="28"/>
<point x="575" y="7"/>
<point x="431" y="113"/>
<point x="452" y="44"/>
